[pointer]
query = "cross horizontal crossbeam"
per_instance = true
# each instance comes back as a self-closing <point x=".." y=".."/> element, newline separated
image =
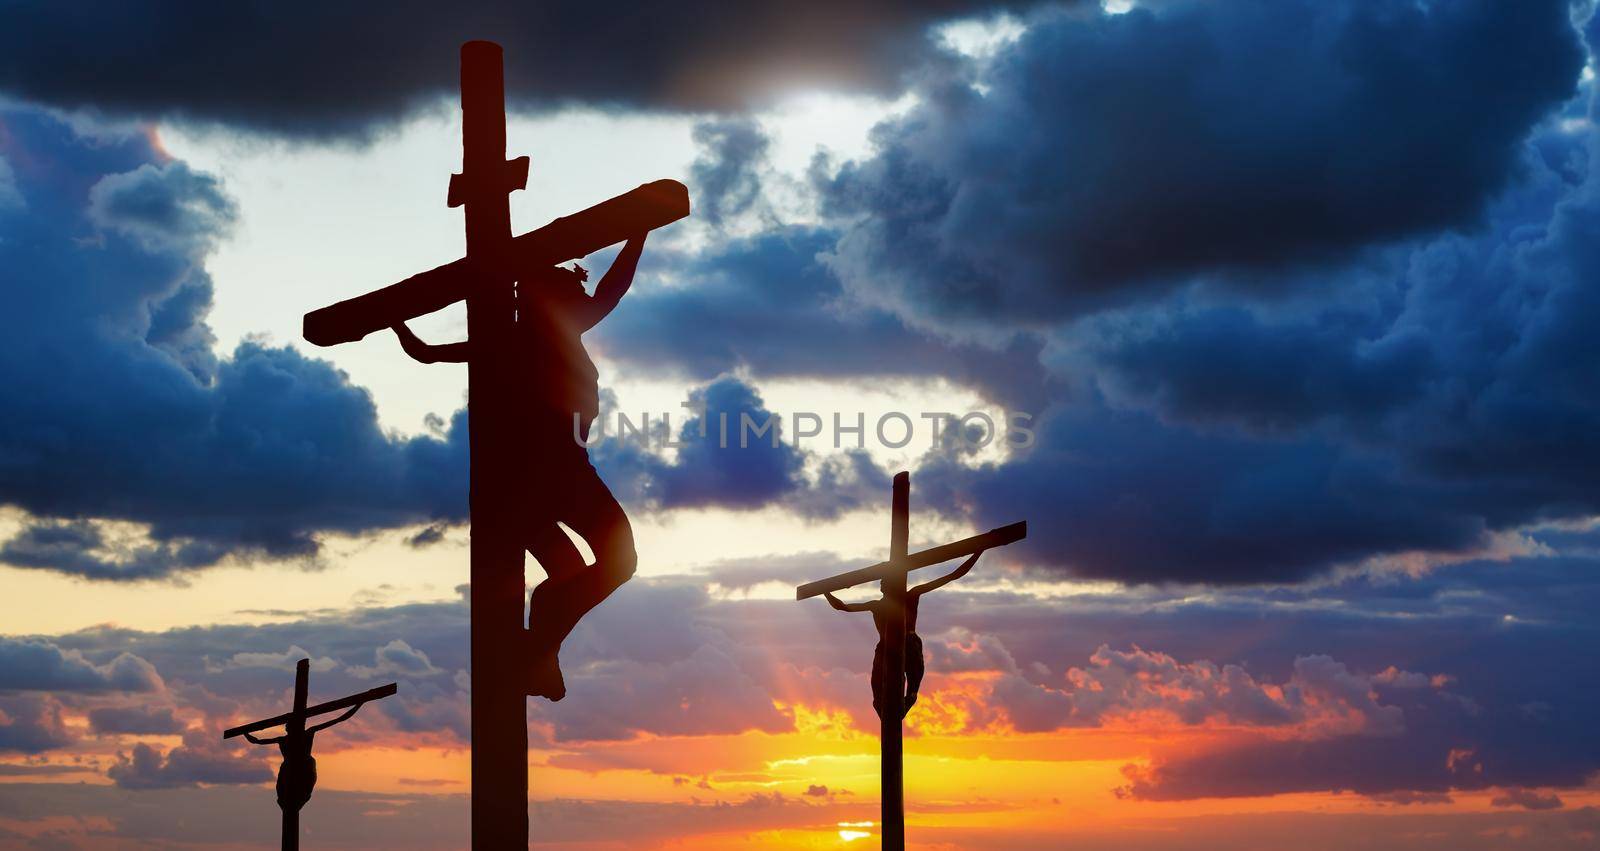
<point x="319" y="709"/>
<point x="646" y="208"/>
<point x="931" y="556"/>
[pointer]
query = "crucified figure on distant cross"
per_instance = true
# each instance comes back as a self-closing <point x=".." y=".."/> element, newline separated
<point x="553" y="312"/>
<point x="914" y="662"/>
<point x="297" y="776"/>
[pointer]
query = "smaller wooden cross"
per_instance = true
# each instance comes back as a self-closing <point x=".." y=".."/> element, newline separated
<point x="298" y="773"/>
<point x="890" y="614"/>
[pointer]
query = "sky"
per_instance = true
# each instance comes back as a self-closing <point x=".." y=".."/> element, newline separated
<point x="1267" y="315"/>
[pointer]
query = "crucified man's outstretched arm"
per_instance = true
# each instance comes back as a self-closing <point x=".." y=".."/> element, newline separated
<point x="255" y="741"/>
<point x="614" y="285"/>
<point x="345" y="717"/>
<point x="947" y="578"/>
<point x="847" y="607"/>
<point x="427" y="353"/>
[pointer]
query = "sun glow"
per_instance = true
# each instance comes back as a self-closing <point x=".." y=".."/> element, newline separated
<point x="850" y="831"/>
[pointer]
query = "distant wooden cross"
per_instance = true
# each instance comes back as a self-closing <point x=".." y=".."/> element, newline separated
<point x="890" y="616"/>
<point x="487" y="278"/>
<point x="297" y="776"/>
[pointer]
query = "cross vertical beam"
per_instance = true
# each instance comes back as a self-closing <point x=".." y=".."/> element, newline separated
<point x="296" y="727"/>
<point x="499" y="705"/>
<point x="892" y="782"/>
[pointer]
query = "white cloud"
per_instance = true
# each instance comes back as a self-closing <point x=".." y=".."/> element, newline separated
<point x="397" y="658"/>
<point x="284" y="661"/>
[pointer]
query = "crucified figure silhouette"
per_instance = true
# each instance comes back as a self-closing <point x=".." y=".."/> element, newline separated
<point x="297" y="776"/>
<point x="914" y="662"/>
<point x="563" y="399"/>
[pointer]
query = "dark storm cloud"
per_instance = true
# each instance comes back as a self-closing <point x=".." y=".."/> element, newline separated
<point x="79" y="548"/>
<point x="427" y="536"/>
<point x="760" y="300"/>
<point x="135" y="719"/>
<point x="1456" y="326"/>
<point x="1441" y="392"/>
<point x="1328" y="371"/>
<point x="732" y="452"/>
<point x="726" y="176"/>
<point x="1120" y="496"/>
<point x="1225" y="365"/>
<point x="130" y="414"/>
<point x="164" y="207"/>
<point x="1109" y="153"/>
<point x="28" y="664"/>
<point x="718" y="465"/>
<point x="32" y="723"/>
<point x="311" y="69"/>
<point x="202" y="758"/>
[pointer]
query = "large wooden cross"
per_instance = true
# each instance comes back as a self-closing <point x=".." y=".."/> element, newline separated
<point x="892" y="576"/>
<point x="295" y="739"/>
<point x="486" y="278"/>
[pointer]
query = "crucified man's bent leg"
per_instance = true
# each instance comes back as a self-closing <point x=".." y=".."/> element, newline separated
<point x="571" y="589"/>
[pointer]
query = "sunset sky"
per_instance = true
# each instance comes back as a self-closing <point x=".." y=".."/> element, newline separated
<point x="1297" y="303"/>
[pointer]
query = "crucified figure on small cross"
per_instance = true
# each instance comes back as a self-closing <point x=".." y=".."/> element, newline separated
<point x="297" y="776"/>
<point x="880" y="619"/>
<point x="898" y="657"/>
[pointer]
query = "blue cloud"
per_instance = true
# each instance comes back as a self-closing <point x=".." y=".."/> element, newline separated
<point x="32" y="723"/>
<point x="731" y="455"/>
<point x="1118" y="495"/>
<point x="200" y="759"/>
<point x="1105" y="155"/>
<point x="313" y="70"/>
<point x="1337" y="386"/>
<point x="130" y="415"/>
<point x="766" y="304"/>
<point x="135" y="720"/>
<point x="37" y="665"/>
<point x="727" y="176"/>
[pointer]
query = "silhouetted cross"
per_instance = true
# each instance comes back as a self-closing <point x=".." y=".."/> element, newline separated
<point x="890" y="615"/>
<point x="298" y="773"/>
<point x="487" y="279"/>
